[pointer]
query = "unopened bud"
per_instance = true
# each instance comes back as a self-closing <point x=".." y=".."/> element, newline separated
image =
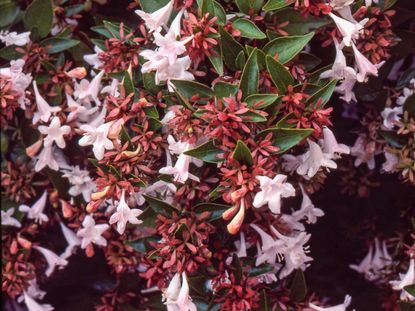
<point x="100" y="194"/>
<point x="93" y="206"/>
<point x="131" y="154"/>
<point x="67" y="209"/>
<point x="229" y="213"/>
<point x="77" y="73"/>
<point x="26" y="244"/>
<point x="32" y="150"/>
<point x="236" y="223"/>
<point x="115" y="129"/>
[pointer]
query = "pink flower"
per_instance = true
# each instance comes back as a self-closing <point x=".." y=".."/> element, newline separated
<point x="54" y="133"/>
<point x="88" y="91"/>
<point x="365" y="67"/>
<point x="124" y="215"/>
<point x="155" y="20"/>
<point x="176" y="296"/>
<point x="271" y="192"/>
<point x="349" y="30"/>
<point x="98" y="138"/>
<point x="331" y="146"/>
<point x="36" y="210"/>
<point x="92" y="233"/>
<point x="93" y="59"/>
<point x="44" y="111"/>
<point x="52" y="259"/>
<point x="314" y="159"/>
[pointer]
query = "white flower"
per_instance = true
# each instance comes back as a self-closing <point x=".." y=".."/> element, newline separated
<point x="13" y="38"/>
<point x="125" y="215"/>
<point x="339" y="4"/>
<point x="346" y="87"/>
<point x="112" y="89"/>
<point x="340" y="307"/>
<point x="91" y="233"/>
<point x="155" y="20"/>
<point x="307" y="209"/>
<point x="405" y="94"/>
<point x="44" y="111"/>
<point x="72" y="240"/>
<point x="93" y="59"/>
<point x="176" y="297"/>
<point x="340" y="69"/>
<point x="314" y="159"/>
<point x="271" y="192"/>
<point x="180" y="171"/>
<point x="349" y="30"/>
<point x="373" y="264"/>
<point x="88" y="91"/>
<point x="81" y="182"/>
<point x="46" y="158"/>
<point x="405" y="279"/>
<point x="36" y="210"/>
<point x="270" y="248"/>
<point x="391" y="162"/>
<point x="54" y="133"/>
<point x="364" y="66"/>
<point x="34" y="291"/>
<point x="291" y="162"/>
<point x="160" y="188"/>
<point x="52" y="259"/>
<point x="8" y="220"/>
<point x="78" y="111"/>
<point x="19" y="80"/>
<point x="241" y="246"/>
<point x="391" y="116"/>
<point x="364" y="152"/>
<point x="331" y="146"/>
<point x="32" y="305"/>
<point x="98" y="138"/>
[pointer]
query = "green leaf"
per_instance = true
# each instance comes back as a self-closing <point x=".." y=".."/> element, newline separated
<point x="128" y="84"/>
<point x="10" y="53"/>
<point x="265" y="100"/>
<point x="56" y="44"/>
<point x="298" y="24"/>
<point x="392" y="138"/>
<point x="206" y="152"/>
<point x="240" y="60"/>
<point x="217" y="60"/>
<point x="219" y="13"/>
<point x="273" y="5"/>
<point x="250" y="76"/>
<point x="410" y="289"/>
<point x="409" y="106"/>
<point x="230" y="48"/>
<point x="223" y="89"/>
<point x="242" y="154"/>
<point x="263" y="303"/>
<point x="324" y="93"/>
<point x="8" y="13"/>
<point x="286" y="138"/>
<point x="142" y="245"/>
<point x="39" y="16"/>
<point x="261" y="269"/>
<point x="279" y="75"/>
<point x="216" y="210"/>
<point x="160" y="207"/>
<point x="191" y="88"/>
<point x="150" y="6"/>
<point x="206" y="6"/>
<point x="251" y="116"/>
<point x="287" y="47"/>
<point x="245" y="6"/>
<point x="248" y="29"/>
<point x="148" y="218"/>
<point x="102" y="30"/>
<point x="298" y="289"/>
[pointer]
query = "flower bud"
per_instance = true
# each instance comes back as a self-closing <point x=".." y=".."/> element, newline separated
<point x="26" y="244"/>
<point x="236" y="223"/>
<point x="77" y="73"/>
<point x="228" y="214"/>
<point x="115" y="129"/>
<point x="32" y="150"/>
<point x="67" y="209"/>
<point x="131" y="154"/>
<point x="100" y="194"/>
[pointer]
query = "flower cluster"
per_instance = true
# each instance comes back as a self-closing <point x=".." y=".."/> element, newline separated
<point x="184" y="147"/>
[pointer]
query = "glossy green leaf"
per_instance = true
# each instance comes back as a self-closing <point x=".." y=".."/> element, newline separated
<point x="410" y="289"/>
<point x="250" y="76"/>
<point x="160" y="207"/>
<point x="261" y="100"/>
<point x="142" y="245"/>
<point x="230" y="48"/>
<point x="287" y="47"/>
<point x="39" y="16"/>
<point x="8" y="13"/>
<point x="279" y="74"/>
<point x="286" y="138"/>
<point x="217" y="60"/>
<point x="409" y="106"/>
<point x="56" y="44"/>
<point x="191" y="88"/>
<point x="242" y="154"/>
<point x="245" y="6"/>
<point x="10" y="53"/>
<point x="298" y="23"/>
<point x="273" y="5"/>
<point x="223" y="89"/>
<point x="216" y="210"/>
<point x="150" y="6"/>
<point x="206" y="152"/>
<point x="248" y="29"/>
<point x="324" y="93"/>
<point x="252" y="116"/>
